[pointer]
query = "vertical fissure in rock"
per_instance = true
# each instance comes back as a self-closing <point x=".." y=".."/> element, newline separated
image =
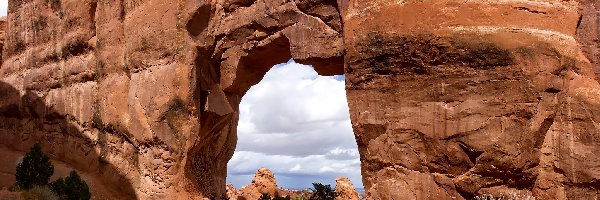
<point x="542" y="131"/>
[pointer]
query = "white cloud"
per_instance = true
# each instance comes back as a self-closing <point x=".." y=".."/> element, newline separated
<point x="296" y="168"/>
<point x="296" y="123"/>
<point x="3" y="7"/>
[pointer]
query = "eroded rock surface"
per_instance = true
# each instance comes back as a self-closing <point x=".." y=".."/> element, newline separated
<point x="451" y="99"/>
<point x="263" y="183"/>
<point x="145" y="94"/>
<point x="448" y="98"/>
<point x="345" y="189"/>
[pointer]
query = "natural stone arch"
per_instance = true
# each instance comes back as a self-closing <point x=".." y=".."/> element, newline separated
<point x="231" y="56"/>
<point x="154" y="85"/>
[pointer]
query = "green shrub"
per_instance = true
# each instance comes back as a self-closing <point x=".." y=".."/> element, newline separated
<point x="39" y="193"/>
<point x="277" y="197"/>
<point x="58" y="186"/>
<point x="34" y="169"/>
<point x="34" y="172"/>
<point x="323" y="192"/>
<point x="71" y="188"/>
<point x="265" y="197"/>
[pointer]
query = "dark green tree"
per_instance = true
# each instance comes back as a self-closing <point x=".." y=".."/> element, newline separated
<point x="58" y="187"/>
<point x="71" y="188"/>
<point x="75" y="188"/>
<point x="34" y="169"/>
<point x="265" y="196"/>
<point x="323" y="192"/>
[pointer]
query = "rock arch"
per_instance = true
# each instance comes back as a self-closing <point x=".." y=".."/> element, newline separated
<point x="448" y="98"/>
<point x="231" y="56"/>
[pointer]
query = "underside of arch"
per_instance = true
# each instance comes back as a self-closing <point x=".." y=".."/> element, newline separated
<point x="234" y="50"/>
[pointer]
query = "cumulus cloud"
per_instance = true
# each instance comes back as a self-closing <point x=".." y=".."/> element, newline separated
<point x="296" y="123"/>
<point x="3" y="7"/>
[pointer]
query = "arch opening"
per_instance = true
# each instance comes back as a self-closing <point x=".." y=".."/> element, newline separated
<point x="226" y="63"/>
<point x="296" y="123"/>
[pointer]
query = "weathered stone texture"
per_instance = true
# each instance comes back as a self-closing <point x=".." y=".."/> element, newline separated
<point x="345" y="189"/>
<point x="144" y="94"/>
<point x="452" y="99"/>
<point x="263" y="183"/>
<point x="448" y="99"/>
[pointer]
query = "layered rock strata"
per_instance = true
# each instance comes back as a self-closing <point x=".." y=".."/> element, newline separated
<point x="454" y="99"/>
<point x="448" y="99"/>
<point x="145" y="94"/>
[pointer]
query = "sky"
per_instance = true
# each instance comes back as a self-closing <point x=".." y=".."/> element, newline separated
<point x="3" y="7"/>
<point x="297" y="124"/>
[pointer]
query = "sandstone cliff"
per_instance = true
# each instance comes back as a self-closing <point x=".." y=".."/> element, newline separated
<point x="452" y="99"/>
<point x="345" y="189"/>
<point x="144" y="94"/>
<point x="448" y="98"/>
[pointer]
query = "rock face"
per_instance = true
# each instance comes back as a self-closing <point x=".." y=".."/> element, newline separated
<point x="448" y="98"/>
<point x="345" y="189"/>
<point x="2" y="35"/>
<point x="481" y="94"/>
<point x="262" y="183"/>
<point x="232" y="193"/>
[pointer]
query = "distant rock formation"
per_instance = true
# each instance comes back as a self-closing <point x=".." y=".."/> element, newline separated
<point x="231" y="192"/>
<point x="345" y="189"/>
<point x="263" y="183"/>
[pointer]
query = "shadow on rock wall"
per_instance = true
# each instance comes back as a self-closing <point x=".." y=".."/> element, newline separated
<point x="25" y="120"/>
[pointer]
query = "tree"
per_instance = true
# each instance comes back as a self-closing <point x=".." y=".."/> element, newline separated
<point x="34" y="169"/>
<point x="58" y="186"/>
<point x="265" y="196"/>
<point x="323" y="192"/>
<point x="73" y="188"/>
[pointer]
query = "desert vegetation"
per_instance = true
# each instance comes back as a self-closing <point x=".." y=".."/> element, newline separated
<point x="319" y="192"/>
<point x="33" y="179"/>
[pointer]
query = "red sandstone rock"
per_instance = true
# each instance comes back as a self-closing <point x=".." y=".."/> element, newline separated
<point x="232" y="193"/>
<point x="345" y="189"/>
<point x="448" y="99"/>
<point x="2" y="35"/>
<point x="262" y="183"/>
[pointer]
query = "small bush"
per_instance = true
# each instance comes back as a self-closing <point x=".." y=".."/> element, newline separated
<point x="277" y="197"/>
<point x="214" y="197"/>
<point x="33" y="174"/>
<point x="265" y="197"/>
<point x="71" y="188"/>
<point x="34" y="169"/>
<point x="323" y="192"/>
<point x="39" y="193"/>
